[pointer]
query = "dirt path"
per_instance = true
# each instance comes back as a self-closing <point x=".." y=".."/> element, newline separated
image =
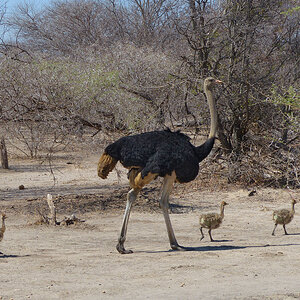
<point x="80" y="261"/>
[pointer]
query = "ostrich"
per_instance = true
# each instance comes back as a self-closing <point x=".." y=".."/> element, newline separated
<point x="158" y="153"/>
<point x="212" y="221"/>
<point x="283" y="216"/>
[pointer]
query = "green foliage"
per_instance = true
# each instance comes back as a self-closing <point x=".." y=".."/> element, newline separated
<point x="78" y="80"/>
<point x="289" y="98"/>
<point x="292" y="10"/>
<point x="288" y="104"/>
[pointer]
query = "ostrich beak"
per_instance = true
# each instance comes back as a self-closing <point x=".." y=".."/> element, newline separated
<point x="219" y="81"/>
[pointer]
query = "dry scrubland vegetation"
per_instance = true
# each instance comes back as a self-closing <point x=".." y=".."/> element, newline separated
<point x="127" y="67"/>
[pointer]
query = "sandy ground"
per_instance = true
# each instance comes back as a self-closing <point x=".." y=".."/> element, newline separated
<point x="80" y="261"/>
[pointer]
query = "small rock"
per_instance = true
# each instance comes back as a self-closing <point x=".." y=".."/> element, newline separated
<point x="252" y="193"/>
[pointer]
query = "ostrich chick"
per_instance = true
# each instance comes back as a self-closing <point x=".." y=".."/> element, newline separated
<point x="283" y="216"/>
<point x="2" y="229"/>
<point x="212" y="221"/>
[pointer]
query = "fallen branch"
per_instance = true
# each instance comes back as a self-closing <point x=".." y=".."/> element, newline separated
<point x="50" y="219"/>
<point x="52" y="208"/>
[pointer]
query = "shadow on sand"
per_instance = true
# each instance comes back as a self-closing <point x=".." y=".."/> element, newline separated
<point x="293" y="233"/>
<point x="217" y="248"/>
<point x="2" y="255"/>
<point x="221" y="241"/>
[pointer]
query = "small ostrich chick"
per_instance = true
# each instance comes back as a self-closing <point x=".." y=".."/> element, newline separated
<point x="212" y="221"/>
<point x="283" y="216"/>
<point x="2" y="229"/>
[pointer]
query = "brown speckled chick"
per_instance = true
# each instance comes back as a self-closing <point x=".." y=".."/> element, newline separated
<point x="212" y="220"/>
<point x="283" y="216"/>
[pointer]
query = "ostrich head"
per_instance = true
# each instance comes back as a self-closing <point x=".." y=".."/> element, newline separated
<point x="223" y="203"/>
<point x="210" y="82"/>
<point x="294" y="201"/>
<point x="4" y="216"/>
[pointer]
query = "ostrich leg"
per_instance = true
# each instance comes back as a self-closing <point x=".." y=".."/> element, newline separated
<point x="131" y="196"/>
<point x="285" y="232"/>
<point x="273" y="233"/>
<point x="164" y="203"/>
<point x="202" y="235"/>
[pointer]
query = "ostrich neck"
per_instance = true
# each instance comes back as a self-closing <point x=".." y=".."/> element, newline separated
<point x="203" y="150"/>
<point x="3" y="224"/>
<point x="213" y="112"/>
<point x="222" y="211"/>
<point x="293" y="208"/>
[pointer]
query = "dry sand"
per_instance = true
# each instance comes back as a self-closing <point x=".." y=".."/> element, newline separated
<point x="81" y="262"/>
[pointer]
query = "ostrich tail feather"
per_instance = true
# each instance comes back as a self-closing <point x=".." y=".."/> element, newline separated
<point x="105" y="165"/>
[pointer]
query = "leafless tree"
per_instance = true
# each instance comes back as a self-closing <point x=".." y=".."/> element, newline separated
<point x="138" y="65"/>
<point x="145" y="22"/>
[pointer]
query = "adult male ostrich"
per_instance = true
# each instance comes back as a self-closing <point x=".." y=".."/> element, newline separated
<point x="158" y="153"/>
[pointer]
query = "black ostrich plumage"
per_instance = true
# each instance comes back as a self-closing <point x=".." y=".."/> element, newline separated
<point x="161" y="152"/>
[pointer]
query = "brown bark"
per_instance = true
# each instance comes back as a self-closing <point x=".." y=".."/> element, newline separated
<point x="3" y="151"/>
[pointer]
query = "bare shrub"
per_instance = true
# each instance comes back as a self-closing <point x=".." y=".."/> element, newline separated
<point x="124" y="69"/>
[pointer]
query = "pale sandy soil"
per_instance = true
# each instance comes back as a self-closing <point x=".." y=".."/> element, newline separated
<point x="80" y="261"/>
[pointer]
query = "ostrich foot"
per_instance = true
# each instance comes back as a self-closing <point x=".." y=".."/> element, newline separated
<point x="122" y="250"/>
<point x="177" y="247"/>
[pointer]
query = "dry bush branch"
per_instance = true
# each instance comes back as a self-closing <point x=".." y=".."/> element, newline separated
<point x="49" y="217"/>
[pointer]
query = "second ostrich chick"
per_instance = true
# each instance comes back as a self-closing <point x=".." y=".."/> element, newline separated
<point x="2" y="229"/>
<point x="283" y="216"/>
<point x="212" y="221"/>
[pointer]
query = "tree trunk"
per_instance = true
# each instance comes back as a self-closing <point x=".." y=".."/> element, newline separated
<point x="3" y="154"/>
